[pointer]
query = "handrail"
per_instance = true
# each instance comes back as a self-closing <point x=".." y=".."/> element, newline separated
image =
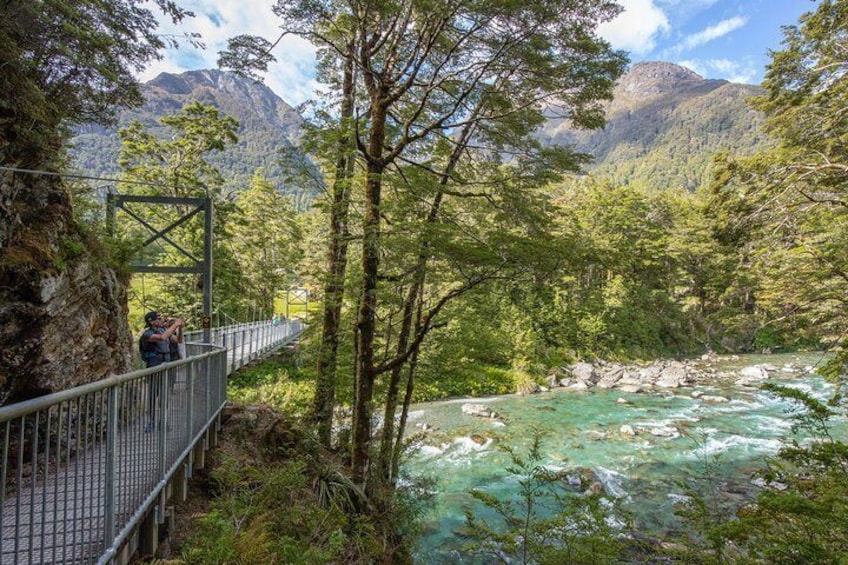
<point x="80" y="468"/>
<point x="28" y="406"/>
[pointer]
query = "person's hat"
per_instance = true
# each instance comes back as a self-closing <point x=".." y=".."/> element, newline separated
<point x="150" y="316"/>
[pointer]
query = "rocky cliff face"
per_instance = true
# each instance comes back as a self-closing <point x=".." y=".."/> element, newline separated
<point x="63" y="317"/>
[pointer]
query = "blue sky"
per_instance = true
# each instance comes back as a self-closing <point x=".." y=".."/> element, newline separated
<point x="727" y="39"/>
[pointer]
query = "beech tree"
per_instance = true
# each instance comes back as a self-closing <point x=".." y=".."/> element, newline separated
<point x="789" y="204"/>
<point x="175" y="164"/>
<point x="264" y="240"/>
<point x="451" y="75"/>
<point x="446" y="98"/>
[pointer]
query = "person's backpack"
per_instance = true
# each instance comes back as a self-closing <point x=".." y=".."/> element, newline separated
<point x="145" y="346"/>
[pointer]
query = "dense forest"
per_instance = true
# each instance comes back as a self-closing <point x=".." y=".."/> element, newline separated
<point x="455" y="245"/>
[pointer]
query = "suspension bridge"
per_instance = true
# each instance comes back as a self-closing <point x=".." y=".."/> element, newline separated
<point x="88" y="473"/>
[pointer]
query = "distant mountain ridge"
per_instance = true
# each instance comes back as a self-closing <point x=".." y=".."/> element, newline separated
<point x="266" y="124"/>
<point x="664" y="125"/>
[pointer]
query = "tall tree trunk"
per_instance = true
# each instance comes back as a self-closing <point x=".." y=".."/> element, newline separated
<point x="366" y="320"/>
<point x="407" y="400"/>
<point x="413" y="298"/>
<point x="325" y="386"/>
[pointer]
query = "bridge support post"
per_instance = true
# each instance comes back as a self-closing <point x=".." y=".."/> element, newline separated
<point x="199" y="455"/>
<point x="179" y="484"/>
<point x="148" y="534"/>
<point x="213" y="432"/>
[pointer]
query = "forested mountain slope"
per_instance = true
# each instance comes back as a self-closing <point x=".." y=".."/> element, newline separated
<point x="267" y="123"/>
<point x="664" y="125"/>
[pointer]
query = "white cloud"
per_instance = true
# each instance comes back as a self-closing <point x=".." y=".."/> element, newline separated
<point x="291" y="76"/>
<point x="708" y="34"/>
<point x="744" y="71"/>
<point x="637" y="27"/>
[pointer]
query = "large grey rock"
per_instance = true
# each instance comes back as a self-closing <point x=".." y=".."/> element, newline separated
<point x="672" y="375"/>
<point x="630" y="377"/>
<point x="714" y="399"/>
<point x="650" y="373"/>
<point x="627" y="430"/>
<point x="756" y="372"/>
<point x="584" y="372"/>
<point x="610" y="378"/>
<point x="666" y="431"/>
<point x="479" y="410"/>
<point x="63" y="313"/>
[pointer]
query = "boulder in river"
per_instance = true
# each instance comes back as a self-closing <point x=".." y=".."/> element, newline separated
<point x="755" y="372"/>
<point x="672" y="375"/>
<point x="479" y="410"/>
<point x="627" y="430"/>
<point x="715" y="399"/>
<point x="664" y="431"/>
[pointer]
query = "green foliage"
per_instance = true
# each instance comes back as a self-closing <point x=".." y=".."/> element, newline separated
<point x="70" y="63"/>
<point x="469" y="379"/>
<point x="545" y="523"/>
<point x="265" y="240"/>
<point x="525" y="383"/>
<point x="266" y="514"/>
<point x="785" y="209"/>
<point x="767" y="338"/>
<point x="275" y="383"/>
<point x="178" y="163"/>
<point x="835" y="370"/>
<point x="255" y="239"/>
<point x="297" y="505"/>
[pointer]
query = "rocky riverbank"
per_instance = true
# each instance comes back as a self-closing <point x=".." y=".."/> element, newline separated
<point x="663" y="375"/>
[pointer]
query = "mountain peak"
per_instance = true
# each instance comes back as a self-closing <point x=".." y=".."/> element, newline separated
<point x="651" y="78"/>
<point x="188" y="82"/>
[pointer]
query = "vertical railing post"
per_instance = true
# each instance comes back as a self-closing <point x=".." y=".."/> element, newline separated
<point x="250" y="350"/>
<point x="190" y="389"/>
<point x="235" y="346"/>
<point x="162" y="434"/>
<point x="241" y="357"/>
<point x="4" y="469"/>
<point x="224" y="345"/>
<point x="208" y="379"/>
<point x="110" y="480"/>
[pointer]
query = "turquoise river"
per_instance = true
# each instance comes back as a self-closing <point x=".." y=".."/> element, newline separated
<point x="676" y="434"/>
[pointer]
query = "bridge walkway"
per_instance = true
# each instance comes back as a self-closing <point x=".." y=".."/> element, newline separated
<point x="84" y="470"/>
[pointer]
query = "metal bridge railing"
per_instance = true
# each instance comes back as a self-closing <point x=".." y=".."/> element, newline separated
<point x="250" y="341"/>
<point x="80" y="468"/>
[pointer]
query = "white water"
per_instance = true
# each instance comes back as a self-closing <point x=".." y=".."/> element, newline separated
<point x="676" y="436"/>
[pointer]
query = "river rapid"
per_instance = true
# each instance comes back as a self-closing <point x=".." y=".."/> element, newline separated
<point x="675" y="435"/>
